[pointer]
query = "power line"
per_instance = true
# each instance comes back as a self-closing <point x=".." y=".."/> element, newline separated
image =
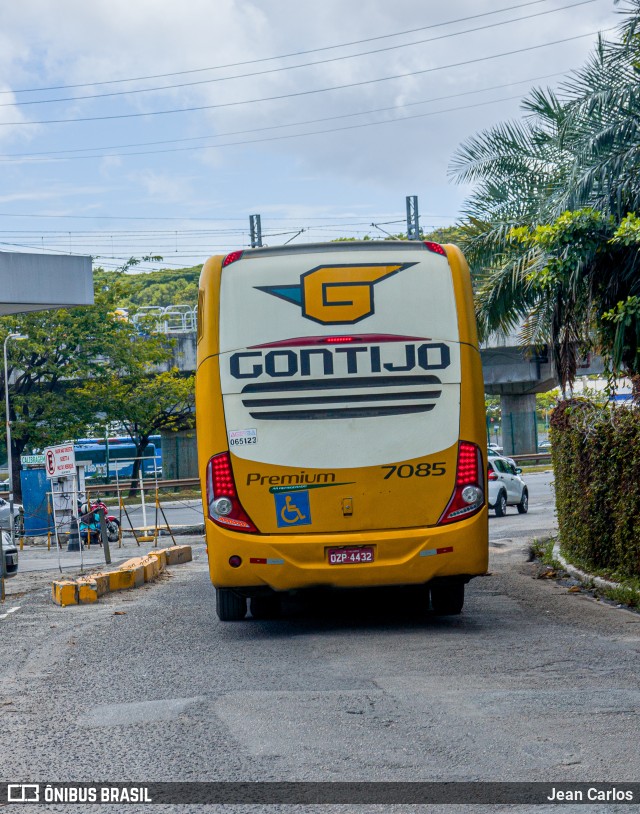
<point x="193" y="219"/>
<point x="118" y="232"/>
<point x="281" y="56"/>
<point x="394" y="120"/>
<point x="280" y="126"/>
<point x="289" y="67"/>
<point x="298" y="94"/>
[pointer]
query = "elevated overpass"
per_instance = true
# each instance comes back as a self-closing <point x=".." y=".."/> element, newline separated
<point x="516" y="373"/>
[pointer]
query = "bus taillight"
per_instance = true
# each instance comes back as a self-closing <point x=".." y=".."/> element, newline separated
<point x="224" y="506"/>
<point x="435" y="247"/>
<point x="232" y="257"/>
<point x="468" y="494"/>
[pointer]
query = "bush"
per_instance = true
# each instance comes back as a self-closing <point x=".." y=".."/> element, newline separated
<point x="596" y="458"/>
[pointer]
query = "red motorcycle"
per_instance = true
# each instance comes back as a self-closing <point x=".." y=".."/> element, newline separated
<point x="90" y="523"/>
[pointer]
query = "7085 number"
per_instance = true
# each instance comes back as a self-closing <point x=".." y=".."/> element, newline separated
<point x="423" y="470"/>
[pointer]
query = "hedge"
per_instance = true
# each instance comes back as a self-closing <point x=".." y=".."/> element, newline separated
<point x="596" y="459"/>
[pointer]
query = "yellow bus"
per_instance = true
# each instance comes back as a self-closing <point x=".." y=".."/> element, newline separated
<point x="340" y="422"/>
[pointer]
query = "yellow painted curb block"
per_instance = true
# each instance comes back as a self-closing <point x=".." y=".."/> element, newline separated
<point x="92" y="587"/>
<point x="64" y="592"/>
<point x="161" y="555"/>
<point x="126" y="577"/>
<point x="178" y="554"/>
<point x="151" y="568"/>
<point x="133" y="573"/>
<point x="149" y="565"/>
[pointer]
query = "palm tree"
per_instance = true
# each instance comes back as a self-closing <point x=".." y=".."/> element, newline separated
<point x="577" y="150"/>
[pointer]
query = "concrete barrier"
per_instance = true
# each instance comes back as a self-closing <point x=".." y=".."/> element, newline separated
<point x="133" y="573"/>
<point x="178" y="554"/>
<point x="64" y="592"/>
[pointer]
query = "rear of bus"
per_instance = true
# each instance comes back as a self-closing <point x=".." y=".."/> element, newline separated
<point x="340" y="420"/>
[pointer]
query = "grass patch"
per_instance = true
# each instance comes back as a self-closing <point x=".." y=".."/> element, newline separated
<point x="627" y="594"/>
<point x="541" y="550"/>
<point x="532" y="468"/>
<point x="622" y="596"/>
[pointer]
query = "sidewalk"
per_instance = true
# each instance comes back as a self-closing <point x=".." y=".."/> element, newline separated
<point x="37" y="559"/>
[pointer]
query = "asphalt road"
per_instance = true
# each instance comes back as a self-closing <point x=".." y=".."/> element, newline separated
<point x="539" y="521"/>
<point x="178" y="513"/>
<point x="531" y="682"/>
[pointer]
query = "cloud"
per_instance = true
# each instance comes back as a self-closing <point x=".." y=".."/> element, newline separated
<point x="360" y="169"/>
<point x="9" y="112"/>
<point x="51" y="193"/>
<point x="164" y="187"/>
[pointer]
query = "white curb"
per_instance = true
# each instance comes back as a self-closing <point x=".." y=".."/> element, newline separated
<point x="581" y="575"/>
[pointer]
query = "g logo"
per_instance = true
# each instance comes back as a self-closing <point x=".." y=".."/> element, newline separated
<point x="337" y="295"/>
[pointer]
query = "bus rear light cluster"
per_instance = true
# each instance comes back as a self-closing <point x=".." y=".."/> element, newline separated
<point x="468" y="494"/>
<point x="224" y="506"/>
<point x="468" y="471"/>
<point x="303" y="341"/>
<point x="435" y="247"/>
<point x="231" y="258"/>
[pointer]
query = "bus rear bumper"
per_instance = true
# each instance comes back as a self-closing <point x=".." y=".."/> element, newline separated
<point x="400" y="556"/>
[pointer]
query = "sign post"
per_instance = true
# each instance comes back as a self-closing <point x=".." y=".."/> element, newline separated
<point x="60" y="465"/>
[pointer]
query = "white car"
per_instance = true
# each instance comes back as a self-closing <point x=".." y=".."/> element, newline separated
<point x="506" y="487"/>
<point x="10" y="555"/>
<point x="5" y="518"/>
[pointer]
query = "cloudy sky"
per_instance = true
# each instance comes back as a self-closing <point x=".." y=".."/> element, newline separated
<point x="129" y="128"/>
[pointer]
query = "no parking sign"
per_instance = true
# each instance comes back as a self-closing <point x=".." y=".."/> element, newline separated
<point x="60" y="461"/>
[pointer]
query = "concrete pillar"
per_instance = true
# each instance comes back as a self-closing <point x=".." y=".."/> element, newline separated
<point x="519" y="431"/>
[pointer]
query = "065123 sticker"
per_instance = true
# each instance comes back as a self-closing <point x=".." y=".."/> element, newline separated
<point x="242" y="438"/>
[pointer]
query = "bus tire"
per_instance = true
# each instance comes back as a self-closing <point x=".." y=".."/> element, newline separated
<point x="230" y="606"/>
<point x="447" y="598"/>
<point x="265" y="607"/>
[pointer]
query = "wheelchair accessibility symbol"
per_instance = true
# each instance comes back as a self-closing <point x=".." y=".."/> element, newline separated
<point x="292" y="509"/>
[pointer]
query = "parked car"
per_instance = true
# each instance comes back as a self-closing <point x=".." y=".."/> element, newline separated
<point x="10" y="555"/>
<point x="506" y="487"/>
<point x="4" y="515"/>
<point x="496" y="448"/>
<point x="544" y="445"/>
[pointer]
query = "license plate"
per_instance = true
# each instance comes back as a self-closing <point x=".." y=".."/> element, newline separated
<point x="350" y="556"/>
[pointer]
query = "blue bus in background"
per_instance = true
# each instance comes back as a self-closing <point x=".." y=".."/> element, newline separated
<point x="119" y="456"/>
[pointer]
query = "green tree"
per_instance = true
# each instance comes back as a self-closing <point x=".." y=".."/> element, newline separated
<point x="141" y="401"/>
<point x="162" y="288"/>
<point x="82" y="365"/>
<point x="548" y="218"/>
<point x="62" y="348"/>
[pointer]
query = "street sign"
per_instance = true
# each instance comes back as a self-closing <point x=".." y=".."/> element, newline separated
<point x="60" y="461"/>
<point x="32" y="460"/>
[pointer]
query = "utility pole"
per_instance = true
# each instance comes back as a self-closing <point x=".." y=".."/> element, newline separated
<point x="256" y="231"/>
<point x="413" y="218"/>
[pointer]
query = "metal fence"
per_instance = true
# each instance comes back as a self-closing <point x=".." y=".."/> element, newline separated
<point x="169" y="320"/>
